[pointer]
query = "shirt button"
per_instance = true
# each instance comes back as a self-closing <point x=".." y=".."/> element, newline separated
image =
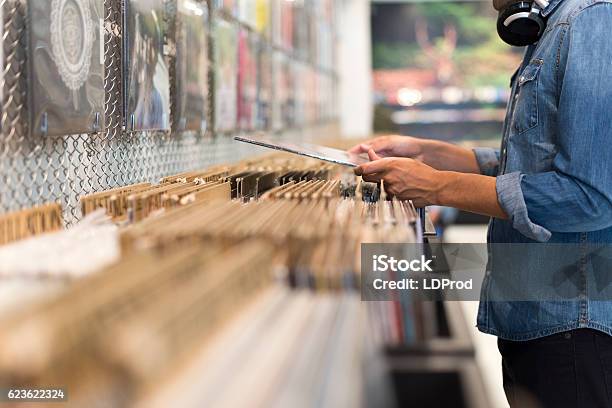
<point x="522" y="78"/>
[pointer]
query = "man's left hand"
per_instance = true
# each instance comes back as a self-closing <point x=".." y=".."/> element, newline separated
<point x="405" y="179"/>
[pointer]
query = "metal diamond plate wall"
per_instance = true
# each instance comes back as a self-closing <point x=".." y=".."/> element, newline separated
<point x="35" y="170"/>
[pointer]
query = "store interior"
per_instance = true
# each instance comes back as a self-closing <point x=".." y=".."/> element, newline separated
<point x="150" y="259"/>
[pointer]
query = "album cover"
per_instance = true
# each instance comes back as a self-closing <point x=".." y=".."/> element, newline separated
<point x="262" y="16"/>
<point x="229" y="6"/>
<point x="264" y="86"/>
<point x="282" y="14"/>
<point x="191" y="66"/>
<point x="284" y="97"/>
<point x="299" y="91"/>
<point x="326" y="90"/>
<point x="226" y="75"/>
<point x="247" y="12"/>
<point x="247" y="82"/>
<point x="146" y="74"/>
<point x="66" y="54"/>
<point x="311" y="91"/>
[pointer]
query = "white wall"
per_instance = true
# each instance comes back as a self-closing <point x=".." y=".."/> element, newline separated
<point x="355" y="68"/>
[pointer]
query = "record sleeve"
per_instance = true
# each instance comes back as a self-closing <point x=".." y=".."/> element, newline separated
<point x="191" y="66"/>
<point x="262" y="17"/>
<point x="264" y="86"/>
<point x="66" y="54"/>
<point x="247" y="81"/>
<point x="277" y="115"/>
<point x="226" y="75"/>
<point x="286" y="24"/>
<point x="299" y="72"/>
<point x="228" y="6"/>
<point x="284" y="97"/>
<point x="247" y="12"/>
<point x="146" y="74"/>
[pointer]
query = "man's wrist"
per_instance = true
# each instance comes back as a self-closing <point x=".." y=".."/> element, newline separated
<point x="445" y="183"/>
<point x="429" y="149"/>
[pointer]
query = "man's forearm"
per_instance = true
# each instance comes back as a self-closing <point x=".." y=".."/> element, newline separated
<point x="469" y="192"/>
<point x="449" y="157"/>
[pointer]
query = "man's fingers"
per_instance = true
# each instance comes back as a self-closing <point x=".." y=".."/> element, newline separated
<point x="373" y="156"/>
<point x="360" y="148"/>
<point x="377" y="166"/>
<point x="373" y="178"/>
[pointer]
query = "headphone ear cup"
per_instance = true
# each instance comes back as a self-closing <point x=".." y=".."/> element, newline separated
<point x="518" y="26"/>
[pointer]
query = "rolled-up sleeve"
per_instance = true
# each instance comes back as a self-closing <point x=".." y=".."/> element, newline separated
<point x="488" y="160"/>
<point x="512" y="200"/>
<point x="576" y="195"/>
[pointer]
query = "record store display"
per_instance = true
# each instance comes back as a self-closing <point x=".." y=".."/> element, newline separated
<point x="66" y="54"/>
<point x="226" y="75"/>
<point x="211" y="265"/>
<point x="147" y="80"/>
<point x="191" y="66"/>
<point x="190" y="232"/>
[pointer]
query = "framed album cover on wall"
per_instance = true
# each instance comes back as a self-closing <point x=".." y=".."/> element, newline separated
<point x="146" y="74"/>
<point x="66" y="56"/>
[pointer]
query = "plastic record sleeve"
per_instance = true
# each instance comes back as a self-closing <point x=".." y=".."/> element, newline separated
<point x="318" y="152"/>
<point x="66" y="54"/>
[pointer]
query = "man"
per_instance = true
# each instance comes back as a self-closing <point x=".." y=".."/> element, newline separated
<point x="551" y="182"/>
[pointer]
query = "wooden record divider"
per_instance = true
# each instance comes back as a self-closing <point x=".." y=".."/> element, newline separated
<point x="30" y="222"/>
<point x="114" y="200"/>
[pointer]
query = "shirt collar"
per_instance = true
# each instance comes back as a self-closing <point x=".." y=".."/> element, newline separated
<point x="551" y="7"/>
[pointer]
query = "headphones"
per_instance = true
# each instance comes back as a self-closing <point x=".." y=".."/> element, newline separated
<point x="521" y="23"/>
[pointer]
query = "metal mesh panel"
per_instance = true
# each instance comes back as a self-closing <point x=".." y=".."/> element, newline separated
<point x="35" y="170"/>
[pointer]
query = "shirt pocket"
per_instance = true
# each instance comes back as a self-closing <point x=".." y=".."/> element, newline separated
<point x="526" y="107"/>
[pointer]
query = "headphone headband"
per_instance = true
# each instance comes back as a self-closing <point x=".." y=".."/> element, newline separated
<point x="521" y="23"/>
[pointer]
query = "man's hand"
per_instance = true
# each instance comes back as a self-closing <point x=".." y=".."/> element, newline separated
<point x="392" y="146"/>
<point x="436" y="154"/>
<point x="405" y="179"/>
<point x="409" y="179"/>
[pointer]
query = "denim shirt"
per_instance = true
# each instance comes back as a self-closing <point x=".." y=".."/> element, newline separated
<point x="554" y="168"/>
